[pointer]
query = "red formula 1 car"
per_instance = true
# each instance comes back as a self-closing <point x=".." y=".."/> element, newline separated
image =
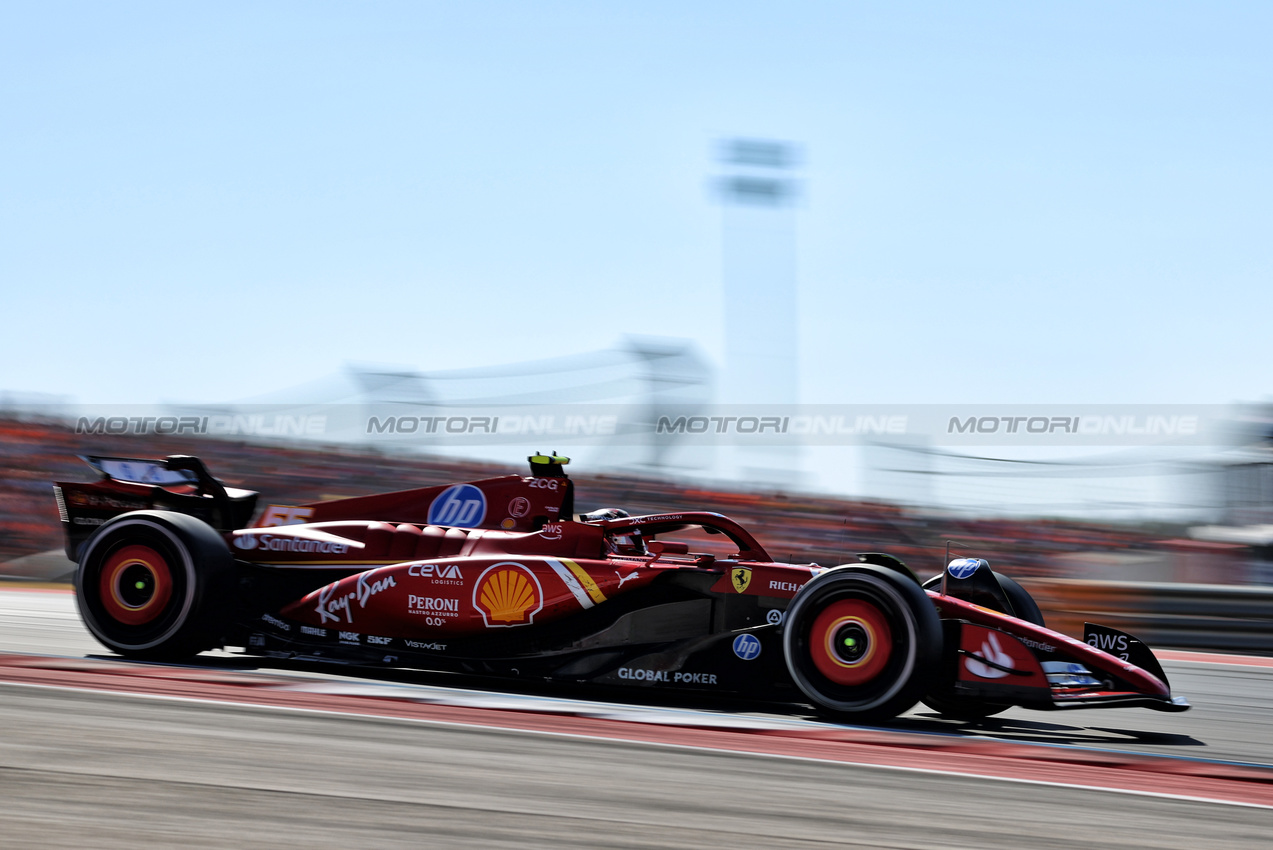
<point x="500" y="578"/>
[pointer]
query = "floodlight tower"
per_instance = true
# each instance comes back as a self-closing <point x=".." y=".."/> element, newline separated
<point x="758" y="190"/>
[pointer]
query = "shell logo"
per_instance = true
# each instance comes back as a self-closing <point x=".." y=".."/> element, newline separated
<point x="508" y="594"/>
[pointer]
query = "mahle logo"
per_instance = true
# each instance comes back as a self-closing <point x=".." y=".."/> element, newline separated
<point x="460" y="506"/>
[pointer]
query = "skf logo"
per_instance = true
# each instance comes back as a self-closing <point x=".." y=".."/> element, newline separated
<point x="740" y="578"/>
<point x="460" y="506"/>
<point x="276" y="515"/>
<point x="508" y="594"/>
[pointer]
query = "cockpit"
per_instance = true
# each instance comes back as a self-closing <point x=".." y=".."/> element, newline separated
<point x="692" y="537"/>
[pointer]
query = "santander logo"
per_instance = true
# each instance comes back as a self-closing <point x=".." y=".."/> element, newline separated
<point x="991" y="651"/>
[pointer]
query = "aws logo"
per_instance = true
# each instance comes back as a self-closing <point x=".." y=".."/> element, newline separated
<point x="508" y="594"/>
<point x="460" y="505"/>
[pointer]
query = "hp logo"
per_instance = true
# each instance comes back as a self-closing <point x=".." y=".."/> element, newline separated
<point x="747" y="647"/>
<point x="460" y="505"/>
<point x="963" y="567"/>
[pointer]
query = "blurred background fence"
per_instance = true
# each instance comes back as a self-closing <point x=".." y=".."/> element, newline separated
<point x="1197" y="616"/>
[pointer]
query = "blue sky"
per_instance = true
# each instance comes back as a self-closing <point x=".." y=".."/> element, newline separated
<point x="1005" y="202"/>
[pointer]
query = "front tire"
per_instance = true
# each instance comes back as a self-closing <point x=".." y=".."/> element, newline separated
<point x="155" y="585"/>
<point x="862" y="642"/>
<point x="948" y="704"/>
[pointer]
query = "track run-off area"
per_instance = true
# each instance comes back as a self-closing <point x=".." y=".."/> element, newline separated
<point x="96" y="751"/>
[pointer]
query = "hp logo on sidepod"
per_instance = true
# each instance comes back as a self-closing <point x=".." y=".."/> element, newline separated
<point x="746" y="647"/>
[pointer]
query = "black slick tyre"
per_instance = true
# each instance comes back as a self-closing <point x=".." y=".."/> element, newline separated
<point x="862" y="643"/>
<point x="155" y="585"/>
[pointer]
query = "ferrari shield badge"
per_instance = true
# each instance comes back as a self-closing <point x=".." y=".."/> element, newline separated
<point x="740" y="578"/>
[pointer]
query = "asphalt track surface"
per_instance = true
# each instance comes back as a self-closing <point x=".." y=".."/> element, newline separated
<point x="102" y="753"/>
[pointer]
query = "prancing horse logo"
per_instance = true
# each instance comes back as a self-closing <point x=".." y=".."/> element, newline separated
<point x="740" y="578"/>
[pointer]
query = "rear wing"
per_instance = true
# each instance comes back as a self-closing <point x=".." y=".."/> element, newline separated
<point x="180" y="483"/>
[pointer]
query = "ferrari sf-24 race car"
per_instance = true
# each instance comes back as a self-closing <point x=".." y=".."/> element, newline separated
<point x="500" y="578"/>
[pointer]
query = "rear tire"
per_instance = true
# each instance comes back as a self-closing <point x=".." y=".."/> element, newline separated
<point x="962" y="708"/>
<point x="155" y="585"/>
<point x="862" y="642"/>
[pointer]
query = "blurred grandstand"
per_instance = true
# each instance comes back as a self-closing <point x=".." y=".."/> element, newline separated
<point x="1230" y="486"/>
<point x="802" y="528"/>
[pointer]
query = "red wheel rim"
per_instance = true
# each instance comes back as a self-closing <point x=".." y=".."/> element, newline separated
<point x="136" y="585"/>
<point x="861" y="621"/>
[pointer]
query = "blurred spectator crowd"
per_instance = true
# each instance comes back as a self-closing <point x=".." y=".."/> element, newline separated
<point x="793" y="527"/>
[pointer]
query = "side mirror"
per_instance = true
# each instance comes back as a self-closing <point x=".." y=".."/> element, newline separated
<point x="660" y="547"/>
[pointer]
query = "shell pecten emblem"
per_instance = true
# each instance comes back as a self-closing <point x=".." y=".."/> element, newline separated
<point x="508" y="594"/>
